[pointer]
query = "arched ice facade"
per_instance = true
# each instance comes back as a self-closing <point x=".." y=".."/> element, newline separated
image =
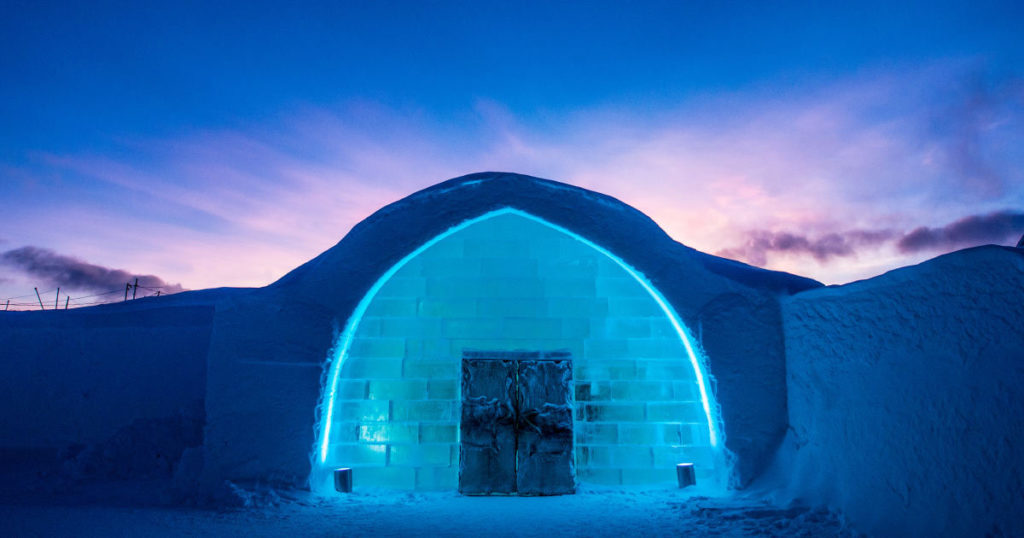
<point x="509" y="281"/>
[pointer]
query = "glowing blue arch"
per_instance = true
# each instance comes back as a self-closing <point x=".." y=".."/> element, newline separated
<point x="340" y="351"/>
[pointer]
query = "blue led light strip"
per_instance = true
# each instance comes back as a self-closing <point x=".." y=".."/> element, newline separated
<point x="341" y="349"/>
<point x="662" y="303"/>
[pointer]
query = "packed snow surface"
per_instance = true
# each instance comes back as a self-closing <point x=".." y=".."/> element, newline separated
<point x="905" y="395"/>
<point x="593" y="513"/>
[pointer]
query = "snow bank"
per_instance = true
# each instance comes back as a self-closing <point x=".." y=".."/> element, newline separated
<point x="905" y="397"/>
<point x="79" y="376"/>
<point x="272" y="514"/>
<point x="115" y="391"/>
<point x="265" y="362"/>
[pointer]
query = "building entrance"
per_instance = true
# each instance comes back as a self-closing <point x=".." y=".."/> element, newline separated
<point x="517" y="424"/>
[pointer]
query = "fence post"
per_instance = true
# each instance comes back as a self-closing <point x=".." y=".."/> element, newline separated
<point x="67" y="299"/>
<point x="56" y="300"/>
<point x="41" y="307"/>
<point x="135" y="289"/>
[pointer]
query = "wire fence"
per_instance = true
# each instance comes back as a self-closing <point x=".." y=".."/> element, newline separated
<point x="53" y="299"/>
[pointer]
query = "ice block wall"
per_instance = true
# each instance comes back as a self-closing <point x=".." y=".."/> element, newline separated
<point x="509" y="282"/>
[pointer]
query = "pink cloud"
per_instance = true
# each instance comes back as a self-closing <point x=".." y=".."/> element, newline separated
<point x="243" y="206"/>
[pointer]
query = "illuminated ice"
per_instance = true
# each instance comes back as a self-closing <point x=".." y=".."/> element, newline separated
<point x="510" y="281"/>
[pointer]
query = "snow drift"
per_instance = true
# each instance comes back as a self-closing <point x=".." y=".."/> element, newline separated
<point x="905" y="397"/>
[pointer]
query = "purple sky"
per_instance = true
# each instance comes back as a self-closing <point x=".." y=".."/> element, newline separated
<point x="837" y="170"/>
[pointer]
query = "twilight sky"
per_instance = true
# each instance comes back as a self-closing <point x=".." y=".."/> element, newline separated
<point x="204" y="146"/>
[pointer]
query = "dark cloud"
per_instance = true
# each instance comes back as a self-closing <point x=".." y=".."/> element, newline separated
<point x="1003" y="227"/>
<point x="52" y="269"/>
<point x="760" y="242"/>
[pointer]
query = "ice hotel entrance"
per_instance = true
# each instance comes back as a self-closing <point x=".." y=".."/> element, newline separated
<point x="511" y="355"/>
<point x="516" y="426"/>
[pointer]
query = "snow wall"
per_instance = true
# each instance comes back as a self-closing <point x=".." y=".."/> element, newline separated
<point x="906" y="394"/>
<point x="121" y="374"/>
<point x="269" y="350"/>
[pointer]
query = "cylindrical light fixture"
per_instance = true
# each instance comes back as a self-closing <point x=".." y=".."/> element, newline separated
<point x="685" y="474"/>
<point x="343" y="480"/>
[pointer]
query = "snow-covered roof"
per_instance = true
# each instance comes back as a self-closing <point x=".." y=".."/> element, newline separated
<point x="387" y="235"/>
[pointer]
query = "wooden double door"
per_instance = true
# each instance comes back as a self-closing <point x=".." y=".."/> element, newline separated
<point x="517" y="424"/>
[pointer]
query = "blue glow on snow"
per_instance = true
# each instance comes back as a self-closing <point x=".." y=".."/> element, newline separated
<point x="345" y="340"/>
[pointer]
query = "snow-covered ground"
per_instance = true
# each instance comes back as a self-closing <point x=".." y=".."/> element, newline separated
<point x="590" y="513"/>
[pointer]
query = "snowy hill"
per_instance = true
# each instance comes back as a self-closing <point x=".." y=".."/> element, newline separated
<point x="904" y="396"/>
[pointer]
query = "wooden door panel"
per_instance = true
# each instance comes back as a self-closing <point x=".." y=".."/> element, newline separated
<point x="544" y="451"/>
<point x="487" y="462"/>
